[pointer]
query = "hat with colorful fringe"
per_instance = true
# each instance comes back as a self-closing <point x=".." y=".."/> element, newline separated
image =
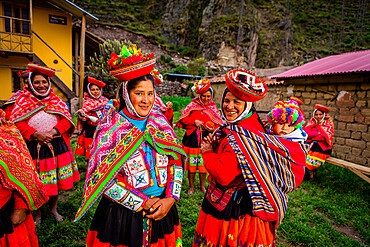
<point x="245" y="85"/>
<point x="299" y="101"/>
<point x="37" y="68"/>
<point x="157" y="76"/>
<point x="286" y="112"/>
<point x="322" y="108"/>
<point x="94" y="81"/>
<point x="130" y="63"/>
<point x="201" y="86"/>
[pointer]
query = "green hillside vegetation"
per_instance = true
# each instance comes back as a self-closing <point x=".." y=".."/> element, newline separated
<point x="289" y="32"/>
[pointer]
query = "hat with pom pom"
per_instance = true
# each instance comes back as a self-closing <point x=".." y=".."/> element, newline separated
<point x="286" y="112"/>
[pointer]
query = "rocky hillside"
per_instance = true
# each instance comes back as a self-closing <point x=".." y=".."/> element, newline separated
<point x="248" y="33"/>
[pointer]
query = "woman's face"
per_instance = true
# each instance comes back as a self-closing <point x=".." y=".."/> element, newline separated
<point x="318" y="115"/>
<point x="95" y="90"/>
<point x="206" y="97"/>
<point x="232" y="106"/>
<point x="142" y="97"/>
<point x="40" y="84"/>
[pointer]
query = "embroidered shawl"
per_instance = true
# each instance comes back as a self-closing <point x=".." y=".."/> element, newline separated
<point x="271" y="166"/>
<point x="28" y="105"/>
<point x="17" y="171"/>
<point x="90" y="105"/>
<point x="116" y="139"/>
<point x="326" y="128"/>
<point x="197" y="105"/>
<point x="14" y="98"/>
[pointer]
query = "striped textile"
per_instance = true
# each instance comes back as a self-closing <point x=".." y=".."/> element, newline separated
<point x="115" y="140"/>
<point x="271" y="166"/>
<point x="17" y="171"/>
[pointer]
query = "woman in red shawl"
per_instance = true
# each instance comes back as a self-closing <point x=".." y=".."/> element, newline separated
<point x="250" y="172"/>
<point x="44" y="120"/>
<point x="89" y="116"/>
<point x="200" y="117"/>
<point x="21" y="189"/>
<point x="320" y="130"/>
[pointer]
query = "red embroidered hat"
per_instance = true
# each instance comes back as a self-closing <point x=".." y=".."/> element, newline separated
<point x="23" y="74"/>
<point x="157" y="76"/>
<point x="299" y="101"/>
<point x="323" y="108"/>
<point x="130" y="63"/>
<point x="245" y="85"/>
<point x="37" y="68"/>
<point x="201" y="86"/>
<point x="95" y="81"/>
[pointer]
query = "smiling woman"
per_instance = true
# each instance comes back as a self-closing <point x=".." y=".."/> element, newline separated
<point x="142" y="183"/>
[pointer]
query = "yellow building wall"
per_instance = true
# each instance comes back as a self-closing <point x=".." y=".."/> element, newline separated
<point x="59" y="37"/>
<point x="6" y="65"/>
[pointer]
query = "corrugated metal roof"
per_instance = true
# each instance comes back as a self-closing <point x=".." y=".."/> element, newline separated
<point x="74" y="9"/>
<point x="337" y="64"/>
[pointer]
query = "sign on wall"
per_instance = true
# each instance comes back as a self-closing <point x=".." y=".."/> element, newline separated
<point x="62" y="20"/>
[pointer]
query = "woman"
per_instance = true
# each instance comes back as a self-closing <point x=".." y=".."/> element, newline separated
<point x="165" y="109"/>
<point x="44" y="120"/>
<point x="250" y="172"/>
<point x="89" y="114"/>
<point x="21" y="189"/>
<point x="200" y="117"/>
<point x="135" y="164"/>
<point x="320" y="130"/>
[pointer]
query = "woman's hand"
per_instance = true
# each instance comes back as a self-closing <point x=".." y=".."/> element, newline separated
<point x="198" y="123"/>
<point x="150" y="203"/>
<point x="205" y="147"/>
<point x="160" y="209"/>
<point x="169" y="104"/>
<point x="18" y="216"/>
<point x="43" y="137"/>
<point x="209" y="129"/>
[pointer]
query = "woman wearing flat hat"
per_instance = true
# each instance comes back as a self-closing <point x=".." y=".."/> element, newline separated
<point x="135" y="164"/>
<point x="44" y="120"/>
<point x="320" y="130"/>
<point x="200" y="117"/>
<point x="89" y="114"/>
<point x="250" y="172"/>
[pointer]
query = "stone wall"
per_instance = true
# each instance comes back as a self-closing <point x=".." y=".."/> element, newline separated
<point x="350" y="110"/>
<point x="171" y="88"/>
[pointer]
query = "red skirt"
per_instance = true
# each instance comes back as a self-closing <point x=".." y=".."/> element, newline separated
<point x="84" y="140"/>
<point x="233" y="226"/>
<point x="24" y="235"/>
<point x="55" y="163"/>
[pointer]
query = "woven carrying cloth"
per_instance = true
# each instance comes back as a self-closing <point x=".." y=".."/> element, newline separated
<point x="28" y="105"/>
<point x="271" y="166"/>
<point x="197" y="105"/>
<point x="116" y="139"/>
<point x="16" y="166"/>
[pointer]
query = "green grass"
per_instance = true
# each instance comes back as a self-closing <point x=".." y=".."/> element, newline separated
<point x="318" y="212"/>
